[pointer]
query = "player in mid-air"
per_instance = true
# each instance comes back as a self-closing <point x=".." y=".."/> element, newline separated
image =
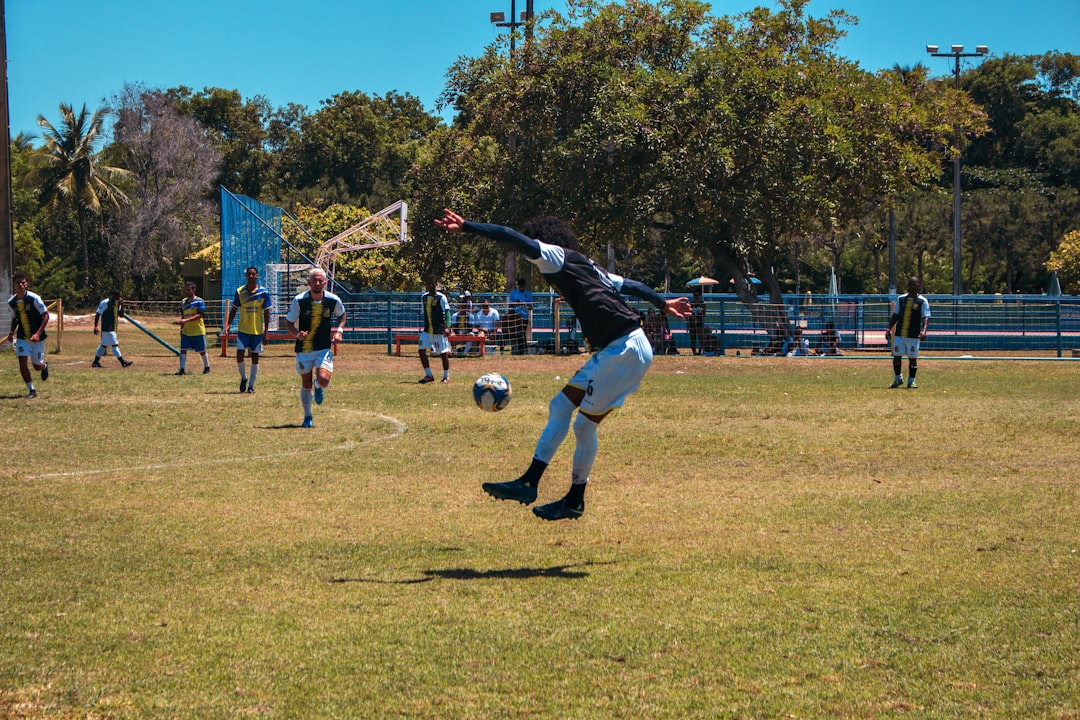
<point x="908" y="323"/>
<point x="312" y="316"/>
<point x="29" y="316"/>
<point x="622" y="353"/>
<point x="252" y="301"/>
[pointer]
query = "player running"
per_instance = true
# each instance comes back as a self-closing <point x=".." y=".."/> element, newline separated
<point x="29" y="317"/>
<point x="311" y="318"/>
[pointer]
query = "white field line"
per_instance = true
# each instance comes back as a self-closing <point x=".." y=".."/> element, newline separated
<point x="398" y="429"/>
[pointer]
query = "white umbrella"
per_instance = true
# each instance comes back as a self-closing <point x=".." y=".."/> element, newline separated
<point x="832" y="281"/>
<point x="702" y="280"/>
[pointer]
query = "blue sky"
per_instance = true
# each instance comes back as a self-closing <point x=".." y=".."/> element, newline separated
<point x="78" y="52"/>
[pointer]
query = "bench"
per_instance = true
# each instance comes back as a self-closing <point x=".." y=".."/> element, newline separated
<point x="225" y="338"/>
<point x="478" y="340"/>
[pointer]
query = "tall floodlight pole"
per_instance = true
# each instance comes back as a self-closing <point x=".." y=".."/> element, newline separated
<point x="956" y="53"/>
<point x="498" y="19"/>
<point x="7" y="226"/>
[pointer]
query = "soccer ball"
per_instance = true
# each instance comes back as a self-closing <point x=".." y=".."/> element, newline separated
<point x="491" y="391"/>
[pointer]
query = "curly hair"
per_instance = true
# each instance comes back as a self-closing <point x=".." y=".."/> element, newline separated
<point x="553" y="231"/>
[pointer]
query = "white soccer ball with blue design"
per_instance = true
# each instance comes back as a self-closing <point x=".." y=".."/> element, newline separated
<point x="491" y="391"/>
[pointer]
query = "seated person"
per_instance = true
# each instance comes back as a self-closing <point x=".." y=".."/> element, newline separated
<point x="461" y="323"/>
<point x="486" y="322"/>
<point x="799" y="346"/>
<point x="830" y="340"/>
<point x="667" y="340"/>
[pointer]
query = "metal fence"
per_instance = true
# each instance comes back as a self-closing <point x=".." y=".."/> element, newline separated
<point x="967" y="323"/>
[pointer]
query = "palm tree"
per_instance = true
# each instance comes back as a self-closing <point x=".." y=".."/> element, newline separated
<point x="66" y="171"/>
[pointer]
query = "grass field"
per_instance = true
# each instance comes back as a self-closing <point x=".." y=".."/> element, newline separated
<point x="764" y="538"/>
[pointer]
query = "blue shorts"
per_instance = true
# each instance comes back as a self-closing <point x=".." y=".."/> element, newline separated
<point x="193" y="342"/>
<point x="252" y="343"/>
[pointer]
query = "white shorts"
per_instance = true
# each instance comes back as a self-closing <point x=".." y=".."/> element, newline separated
<point x="905" y="346"/>
<point x="309" y="361"/>
<point x="613" y="373"/>
<point x="33" y="350"/>
<point x="437" y="344"/>
<point x="108" y="338"/>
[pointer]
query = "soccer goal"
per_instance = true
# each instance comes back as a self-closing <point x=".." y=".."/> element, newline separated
<point x="284" y="281"/>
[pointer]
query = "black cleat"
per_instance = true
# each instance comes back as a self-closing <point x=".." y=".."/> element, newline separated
<point x="243" y="385"/>
<point x="126" y="363"/>
<point x="206" y="370"/>
<point x="524" y="493"/>
<point x="559" y="510"/>
<point x="96" y="363"/>
<point x="425" y="379"/>
<point x="180" y="372"/>
<point x="45" y="372"/>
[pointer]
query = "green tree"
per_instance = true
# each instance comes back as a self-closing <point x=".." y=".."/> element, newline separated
<point x="67" y="174"/>
<point x="1065" y="261"/>
<point x="173" y="167"/>
<point x="356" y="149"/>
<point x="669" y="133"/>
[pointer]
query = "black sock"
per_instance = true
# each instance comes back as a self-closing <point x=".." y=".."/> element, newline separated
<point x="576" y="495"/>
<point x="534" y="473"/>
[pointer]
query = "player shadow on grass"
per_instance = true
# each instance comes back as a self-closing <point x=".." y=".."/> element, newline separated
<point x="560" y="572"/>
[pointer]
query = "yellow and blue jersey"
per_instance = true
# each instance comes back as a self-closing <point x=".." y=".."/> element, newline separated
<point x="251" y="306"/>
<point x="194" y="306"/>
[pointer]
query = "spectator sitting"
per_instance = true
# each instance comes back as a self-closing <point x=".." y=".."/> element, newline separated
<point x="667" y="340"/>
<point x="462" y="324"/>
<point x="487" y="323"/>
<point x="830" y="340"/>
<point x="799" y="346"/>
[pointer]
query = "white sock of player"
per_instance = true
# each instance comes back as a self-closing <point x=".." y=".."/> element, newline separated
<point x="242" y="369"/>
<point x="254" y="372"/>
<point x="305" y="400"/>
<point x="205" y="360"/>
<point x="560" y="412"/>
<point x="585" y="450"/>
<point x="183" y="360"/>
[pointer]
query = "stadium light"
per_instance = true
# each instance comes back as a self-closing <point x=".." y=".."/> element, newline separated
<point x="957" y="52"/>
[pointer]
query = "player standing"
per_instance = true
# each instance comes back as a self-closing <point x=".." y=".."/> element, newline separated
<point x="311" y="318"/>
<point x="252" y="301"/>
<point x="907" y="327"/>
<point x="192" y="328"/>
<point x="435" y="312"/>
<point x="29" y="317"/>
<point x="622" y="353"/>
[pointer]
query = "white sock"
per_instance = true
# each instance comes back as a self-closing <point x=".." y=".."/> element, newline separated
<point x="305" y="400"/>
<point x="240" y="368"/>
<point x="183" y="360"/>
<point x="254" y="372"/>
<point x="560" y="412"/>
<point x="586" y="448"/>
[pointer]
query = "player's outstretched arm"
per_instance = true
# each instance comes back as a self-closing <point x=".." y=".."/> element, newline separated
<point x="451" y="221"/>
